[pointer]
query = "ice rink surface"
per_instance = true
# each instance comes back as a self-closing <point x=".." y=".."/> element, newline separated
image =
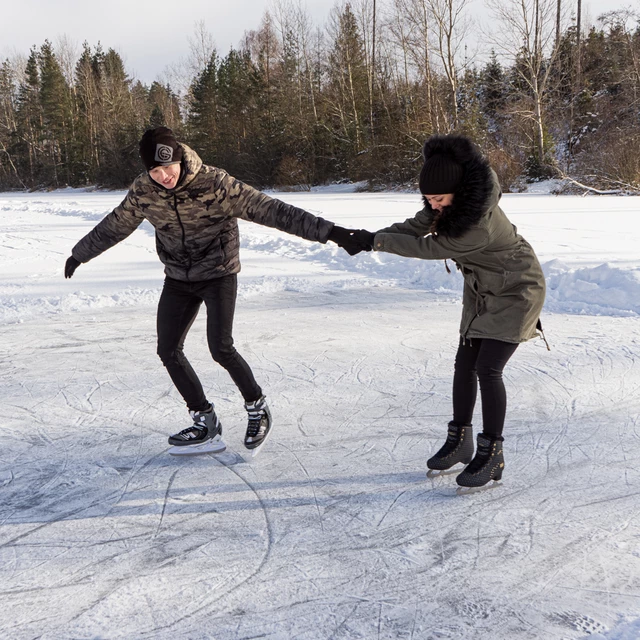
<point x="334" y="531"/>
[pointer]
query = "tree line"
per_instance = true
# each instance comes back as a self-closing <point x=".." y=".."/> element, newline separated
<point x="353" y="100"/>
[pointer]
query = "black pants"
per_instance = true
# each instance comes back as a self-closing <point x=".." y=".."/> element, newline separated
<point x="178" y="307"/>
<point x="481" y="360"/>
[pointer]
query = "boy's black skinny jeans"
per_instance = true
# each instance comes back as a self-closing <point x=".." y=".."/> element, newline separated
<point x="481" y="360"/>
<point x="178" y="307"/>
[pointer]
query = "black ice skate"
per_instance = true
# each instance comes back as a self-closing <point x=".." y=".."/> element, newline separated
<point x="259" y="426"/>
<point x="203" y="436"/>
<point x="458" y="447"/>
<point x="487" y="465"/>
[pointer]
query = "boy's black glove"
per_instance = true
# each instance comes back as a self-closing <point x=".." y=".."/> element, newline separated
<point x="71" y="265"/>
<point x="365" y="238"/>
<point x="344" y="238"/>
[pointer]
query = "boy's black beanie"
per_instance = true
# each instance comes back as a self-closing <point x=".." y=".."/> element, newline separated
<point x="159" y="148"/>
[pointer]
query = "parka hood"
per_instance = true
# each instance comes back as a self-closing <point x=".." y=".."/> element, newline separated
<point x="472" y="198"/>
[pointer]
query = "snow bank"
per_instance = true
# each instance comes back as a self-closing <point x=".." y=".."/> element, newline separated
<point x="544" y="187"/>
<point x="602" y="290"/>
<point x="377" y="267"/>
<point x="18" y="309"/>
<point x="337" y="187"/>
<point x="88" y="205"/>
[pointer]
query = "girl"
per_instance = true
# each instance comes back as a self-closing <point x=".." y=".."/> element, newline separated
<point x="504" y="291"/>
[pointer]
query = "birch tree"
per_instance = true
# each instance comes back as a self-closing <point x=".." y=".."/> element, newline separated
<point x="525" y="31"/>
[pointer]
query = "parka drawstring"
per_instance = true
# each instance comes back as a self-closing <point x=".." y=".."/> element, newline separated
<point x="539" y="328"/>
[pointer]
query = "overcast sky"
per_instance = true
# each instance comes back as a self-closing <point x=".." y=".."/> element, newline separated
<point x="154" y="34"/>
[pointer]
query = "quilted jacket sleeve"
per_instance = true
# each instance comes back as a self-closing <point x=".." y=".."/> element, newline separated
<point x="113" y="228"/>
<point x="247" y="203"/>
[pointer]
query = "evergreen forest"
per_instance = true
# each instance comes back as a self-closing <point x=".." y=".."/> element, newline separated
<point x="299" y="104"/>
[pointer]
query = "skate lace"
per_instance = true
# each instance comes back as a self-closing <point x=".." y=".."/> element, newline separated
<point x="452" y="442"/>
<point x="193" y="427"/>
<point x="255" y="421"/>
<point x="483" y="455"/>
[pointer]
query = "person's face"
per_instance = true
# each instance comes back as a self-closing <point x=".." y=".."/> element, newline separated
<point x="440" y="201"/>
<point x="166" y="177"/>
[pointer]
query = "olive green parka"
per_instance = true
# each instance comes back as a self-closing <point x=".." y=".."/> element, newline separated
<point x="504" y="287"/>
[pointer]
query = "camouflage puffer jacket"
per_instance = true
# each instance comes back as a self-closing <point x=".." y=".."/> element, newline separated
<point x="196" y="223"/>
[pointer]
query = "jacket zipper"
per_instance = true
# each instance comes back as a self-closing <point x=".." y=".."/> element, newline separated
<point x="184" y="241"/>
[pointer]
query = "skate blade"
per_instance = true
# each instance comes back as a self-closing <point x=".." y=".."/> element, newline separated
<point x="215" y="445"/>
<point x="258" y="449"/>
<point x="465" y="491"/>
<point x="435" y="473"/>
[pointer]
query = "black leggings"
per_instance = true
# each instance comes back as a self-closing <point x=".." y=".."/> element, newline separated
<point x="481" y="360"/>
<point x="178" y="307"/>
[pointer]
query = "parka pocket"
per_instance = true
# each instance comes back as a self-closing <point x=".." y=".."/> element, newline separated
<point x="493" y="282"/>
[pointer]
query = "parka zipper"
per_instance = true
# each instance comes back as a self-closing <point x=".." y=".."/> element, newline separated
<point x="184" y="235"/>
<point x="477" y="300"/>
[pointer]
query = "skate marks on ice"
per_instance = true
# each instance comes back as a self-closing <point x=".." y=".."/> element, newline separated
<point x="137" y="558"/>
<point x="6" y="477"/>
<point x="97" y="519"/>
<point x="335" y="530"/>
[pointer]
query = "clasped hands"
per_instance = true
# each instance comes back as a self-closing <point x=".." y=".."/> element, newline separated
<point x="353" y="241"/>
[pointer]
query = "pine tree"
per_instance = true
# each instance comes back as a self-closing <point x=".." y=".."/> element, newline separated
<point x="121" y="124"/>
<point x="347" y="94"/>
<point x="202" y="121"/>
<point x="29" y="122"/>
<point x="472" y="121"/>
<point x="55" y="101"/>
<point x="494" y="90"/>
<point x="9" y="176"/>
<point x="86" y="148"/>
<point x="165" y="108"/>
<point x="239" y="91"/>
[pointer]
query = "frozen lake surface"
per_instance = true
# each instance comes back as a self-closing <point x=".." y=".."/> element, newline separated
<point x="334" y="531"/>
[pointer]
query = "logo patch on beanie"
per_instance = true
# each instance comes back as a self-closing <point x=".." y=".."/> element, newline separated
<point x="164" y="153"/>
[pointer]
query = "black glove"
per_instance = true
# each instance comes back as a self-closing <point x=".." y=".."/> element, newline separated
<point x="70" y="266"/>
<point x="364" y="237"/>
<point x="340" y="235"/>
<point x="344" y="239"/>
<point x="353" y="249"/>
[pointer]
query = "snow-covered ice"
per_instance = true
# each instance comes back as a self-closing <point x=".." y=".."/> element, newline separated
<point x="334" y="531"/>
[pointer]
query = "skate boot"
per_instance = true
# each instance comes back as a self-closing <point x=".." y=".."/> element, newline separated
<point x="259" y="426"/>
<point x="487" y="464"/>
<point x="203" y="436"/>
<point x="458" y="447"/>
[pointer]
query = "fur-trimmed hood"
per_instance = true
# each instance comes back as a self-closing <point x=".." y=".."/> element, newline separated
<point x="472" y="197"/>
